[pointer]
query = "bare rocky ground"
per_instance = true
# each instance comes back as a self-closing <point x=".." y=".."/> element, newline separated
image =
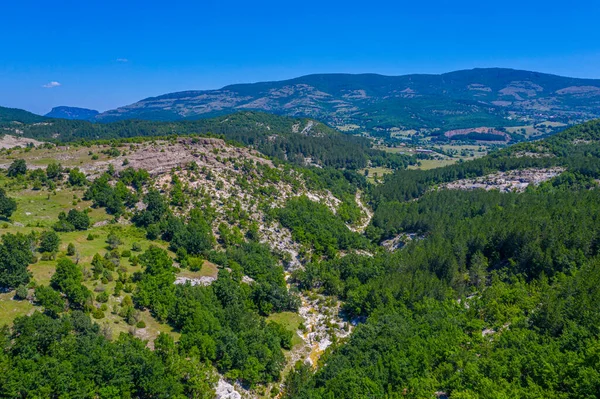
<point x="225" y="390"/>
<point x="160" y="157"/>
<point x="204" y="280"/>
<point x="324" y="325"/>
<point x="399" y="241"/>
<point x="514" y="180"/>
<point x="9" y="141"/>
<point x="367" y="215"/>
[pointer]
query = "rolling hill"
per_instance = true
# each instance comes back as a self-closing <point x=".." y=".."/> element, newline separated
<point x="301" y="141"/>
<point x="383" y="105"/>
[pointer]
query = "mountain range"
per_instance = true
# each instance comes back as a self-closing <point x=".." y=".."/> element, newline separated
<point x="381" y="105"/>
<point x="500" y="104"/>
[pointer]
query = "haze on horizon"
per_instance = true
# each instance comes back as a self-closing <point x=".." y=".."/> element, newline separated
<point x="102" y="56"/>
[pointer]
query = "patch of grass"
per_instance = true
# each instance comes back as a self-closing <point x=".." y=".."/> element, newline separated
<point x="291" y="321"/>
<point x="208" y="270"/>
<point x="427" y="164"/>
<point x="67" y="156"/>
<point x="395" y="150"/>
<point x="42" y="271"/>
<point x="528" y="130"/>
<point x="374" y="173"/>
<point x="10" y="309"/>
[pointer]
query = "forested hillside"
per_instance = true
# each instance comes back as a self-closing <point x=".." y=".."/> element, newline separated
<point x="15" y="115"/>
<point x="494" y="295"/>
<point x="299" y="141"/>
<point x="175" y="248"/>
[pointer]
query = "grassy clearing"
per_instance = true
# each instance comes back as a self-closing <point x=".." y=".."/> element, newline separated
<point x="395" y="150"/>
<point x="38" y="211"/>
<point x="68" y="156"/>
<point x="464" y="147"/>
<point x="375" y="173"/>
<point x="11" y="309"/>
<point x="527" y="130"/>
<point x="403" y="133"/>
<point x="291" y="321"/>
<point x="208" y="270"/>
<point x="553" y="124"/>
<point x="427" y="164"/>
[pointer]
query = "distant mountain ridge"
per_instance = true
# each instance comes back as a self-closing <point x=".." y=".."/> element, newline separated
<point x="16" y="115"/>
<point x="492" y="97"/>
<point x="73" y="113"/>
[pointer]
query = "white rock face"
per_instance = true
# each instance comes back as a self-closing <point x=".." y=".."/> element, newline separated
<point x="226" y="391"/>
<point x="204" y="280"/>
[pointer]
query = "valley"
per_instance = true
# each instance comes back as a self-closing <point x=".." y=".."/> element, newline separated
<point x="221" y="264"/>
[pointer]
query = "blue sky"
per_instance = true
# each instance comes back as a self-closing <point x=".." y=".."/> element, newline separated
<point x="103" y="54"/>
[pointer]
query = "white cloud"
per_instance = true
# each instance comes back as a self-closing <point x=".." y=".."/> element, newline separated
<point x="122" y="60"/>
<point x="51" y="85"/>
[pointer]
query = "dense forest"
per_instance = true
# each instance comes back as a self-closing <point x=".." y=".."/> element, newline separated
<point x="493" y="298"/>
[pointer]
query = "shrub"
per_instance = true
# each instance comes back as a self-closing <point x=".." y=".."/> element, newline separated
<point x="48" y="256"/>
<point x="97" y="314"/>
<point x="71" y="249"/>
<point x="113" y="241"/>
<point x="79" y="220"/>
<point x="17" y="168"/>
<point x="102" y="297"/>
<point x="77" y="178"/>
<point x="21" y="293"/>
<point x="49" y="242"/>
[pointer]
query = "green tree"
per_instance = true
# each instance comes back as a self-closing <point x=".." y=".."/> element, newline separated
<point x="49" y="242"/>
<point x="21" y="292"/>
<point x="54" y="170"/>
<point x="77" y="178"/>
<point x="15" y="256"/>
<point x="79" y="219"/>
<point x="68" y="279"/>
<point x="51" y="300"/>
<point x="17" y="168"/>
<point x="7" y="205"/>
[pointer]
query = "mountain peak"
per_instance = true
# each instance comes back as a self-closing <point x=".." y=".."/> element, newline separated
<point x="65" y="112"/>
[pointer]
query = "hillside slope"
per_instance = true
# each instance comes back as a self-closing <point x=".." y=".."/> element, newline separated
<point x="16" y="116"/>
<point x="490" y="292"/>
<point x="382" y="104"/>
<point x="300" y="141"/>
